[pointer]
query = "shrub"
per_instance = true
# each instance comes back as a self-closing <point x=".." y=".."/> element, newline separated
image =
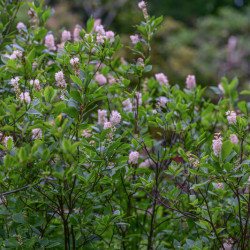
<point x="96" y="155"/>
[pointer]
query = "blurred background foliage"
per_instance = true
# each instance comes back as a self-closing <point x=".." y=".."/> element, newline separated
<point x="206" y="38"/>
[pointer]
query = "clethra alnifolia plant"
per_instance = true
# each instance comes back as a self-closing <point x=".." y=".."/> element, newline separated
<point x="97" y="152"/>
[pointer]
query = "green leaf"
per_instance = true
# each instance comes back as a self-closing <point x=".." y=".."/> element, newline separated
<point x="54" y="244"/>
<point x="9" y="144"/>
<point x="18" y="218"/>
<point x="226" y="150"/>
<point x="49" y="94"/>
<point x="76" y="80"/>
<point x="90" y="25"/>
<point x="195" y="187"/>
<point x="243" y="107"/>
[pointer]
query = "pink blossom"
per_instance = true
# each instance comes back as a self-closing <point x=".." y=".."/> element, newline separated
<point x="100" y="38"/>
<point x="15" y="54"/>
<point x="86" y="133"/>
<point x="127" y="105"/>
<point x="59" y="76"/>
<point x="100" y="30"/>
<point x="163" y="100"/>
<point x="220" y="185"/>
<point x="142" y="5"/>
<point x="162" y="79"/>
<point x="102" y="116"/>
<point x="147" y="163"/>
<point x="66" y="36"/>
<point x="21" y="26"/>
<point x="115" y="117"/>
<point x="50" y="42"/>
<point x="107" y="125"/>
<point x="190" y="82"/>
<point x="74" y="61"/>
<point x="25" y="97"/>
<point x="234" y="139"/>
<point x="217" y="144"/>
<point x="231" y="117"/>
<point x="111" y="36"/>
<point x="135" y="39"/>
<point x="76" y="33"/>
<point x="100" y="78"/>
<point x="133" y="157"/>
<point x="111" y="79"/>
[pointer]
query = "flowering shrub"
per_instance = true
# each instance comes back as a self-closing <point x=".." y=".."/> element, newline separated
<point x="96" y="153"/>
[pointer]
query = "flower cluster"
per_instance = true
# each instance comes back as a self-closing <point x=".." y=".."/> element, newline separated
<point x="217" y="144"/>
<point x="133" y="157"/>
<point x="25" y="97"/>
<point x="100" y="78"/>
<point x="36" y="84"/>
<point x="162" y="79"/>
<point x="190" y="82"/>
<point x="59" y="76"/>
<point x="231" y="117"/>
<point x="128" y="107"/>
<point x="50" y="42"/>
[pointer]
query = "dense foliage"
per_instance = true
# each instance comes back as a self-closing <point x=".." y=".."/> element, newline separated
<point x="95" y="154"/>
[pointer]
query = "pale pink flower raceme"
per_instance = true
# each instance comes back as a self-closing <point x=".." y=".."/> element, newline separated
<point x="102" y="116"/>
<point x="138" y="98"/>
<point x="142" y="5"/>
<point x="21" y="26"/>
<point x="228" y="245"/>
<point x="231" y="117"/>
<point x="76" y="33"/>
<point x="25" y="97"/>
<point x="97" y="23"/>
<point x="127" y="105"/>
<point x="217" y="144"/>
<point x="15" y="54"/>
<point x="140" y="62"/>
<point x="162" y="79"/>
<point x="234" y="139"/>
<point x="59" y="76"/>
<point x="50" y="42"/>
<point x="86" y="133"/>
<point x="147" y="163"/>
<point x="100" y="38"/>
<point x="135" y="39"/>
<point x="111" y="79"/>
<point x="111" y="36"/>
<point x="100" y="78"/>
<point x="15" y="83"/>
<point x="37" y="134"/>
<point x="100" y="30"/>
<point x="133" y="157"/>
<point x="190" y="82"/>
<point x="74" y="61"/>
<point x="108" y="125"/>
<point x="66" y="36"/>
<point x="115" y="117"/>
<point x="36" y="84"/>
<point x="220" y="185"/>
<point x="163" y="100"/>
